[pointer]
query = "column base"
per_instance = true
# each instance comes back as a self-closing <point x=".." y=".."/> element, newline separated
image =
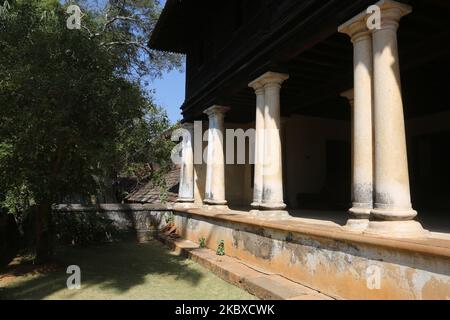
<point x="217" y="207"/>
<point x="356" y="225"/>
<point x="185" y="205"/>
<point x="391" y="214"/>
<point x="211" y="204"/>
<point x="185" y="200"/>
<point x="271" y="214"/>
<point x="215" y="202"/>
<point x="360" y="211"/>
<point x="255" y="205"/>
<point x="272" y="206"/>
<point x="396" y="229"/>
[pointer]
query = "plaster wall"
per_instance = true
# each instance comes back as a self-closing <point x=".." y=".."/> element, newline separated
<point x="349" y="270"/>
<point x="238" y="177"/>
<point x="305" y="160"/>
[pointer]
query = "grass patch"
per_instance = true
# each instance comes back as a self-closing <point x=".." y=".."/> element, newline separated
<point x="119" y="271"/>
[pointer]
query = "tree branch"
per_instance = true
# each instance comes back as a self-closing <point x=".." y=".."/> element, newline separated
<point x="127" y="43"/>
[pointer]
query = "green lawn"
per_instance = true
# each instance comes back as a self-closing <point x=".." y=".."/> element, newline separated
<point x="123" y="271"/>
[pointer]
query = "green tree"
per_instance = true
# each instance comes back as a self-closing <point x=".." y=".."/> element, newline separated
<point x="69" y="103"/>
<point x="125" y="26"/>
<point x="144" y="144"/>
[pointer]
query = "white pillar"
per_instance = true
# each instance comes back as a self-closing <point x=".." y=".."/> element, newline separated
<point x="215" y="170"/>
<point x="259" y="144"/>
<point x="283" y="125"/>
<point x="361" y="101"/>
<point x="392" y="213"/>
<point x="186" y="190"/>
<point x="272" y="197"/>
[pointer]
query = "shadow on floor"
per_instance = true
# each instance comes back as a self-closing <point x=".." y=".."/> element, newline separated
<point x="338" y="217"/>
<point x="119" y="266"/>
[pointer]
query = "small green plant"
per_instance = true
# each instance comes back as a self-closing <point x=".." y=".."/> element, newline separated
<point x="170" y="218"/>
<point x="202" y="242"/>
<point x="221" y="248"/>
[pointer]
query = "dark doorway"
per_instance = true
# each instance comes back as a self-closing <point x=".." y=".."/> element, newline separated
<point x="430" y="174"/>
<point x="338" y="174"/>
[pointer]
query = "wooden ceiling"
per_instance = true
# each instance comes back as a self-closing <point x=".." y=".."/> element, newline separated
<point x="320" y="74"/>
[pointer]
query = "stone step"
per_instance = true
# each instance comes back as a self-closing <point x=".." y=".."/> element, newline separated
<point x="264" y="285"/>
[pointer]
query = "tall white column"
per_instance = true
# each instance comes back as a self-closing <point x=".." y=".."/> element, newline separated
<point x="392" y="211"/>
<point x="259" y="144"/>
<point x="215" y="170"/>
<point x="272" y="198"/>
<point x="361" y="101"/>
<point x="186" y="190"/>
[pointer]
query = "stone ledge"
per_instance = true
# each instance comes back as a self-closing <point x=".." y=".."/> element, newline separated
<point x="436" y="245"/>
<point x="264" y="285"/>
<point x="319" y="255"/>
<point x="112" y="207"/>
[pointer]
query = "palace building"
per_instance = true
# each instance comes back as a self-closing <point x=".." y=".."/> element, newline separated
<point x="355" y="117"/>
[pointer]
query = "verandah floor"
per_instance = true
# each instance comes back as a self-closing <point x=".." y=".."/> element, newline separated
<point x="432" y="220"/>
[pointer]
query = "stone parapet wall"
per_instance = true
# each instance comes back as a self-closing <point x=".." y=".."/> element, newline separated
<point x="113" y="220"/>
<point x="324" y="258"/>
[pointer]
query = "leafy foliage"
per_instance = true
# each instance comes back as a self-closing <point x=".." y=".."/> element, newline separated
<point x="84" y="228"/>
<point x="125" y="27"/>
<point x="73" y="110"/>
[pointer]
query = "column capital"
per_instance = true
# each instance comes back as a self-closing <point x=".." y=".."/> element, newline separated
<point x="270" y="78"/>
<point x="257" y="85"/>
<point x="216" y="110"/>
<point x="349" y="95"/>
<point x="391" y="13"/>
<point x="356" y="28"/>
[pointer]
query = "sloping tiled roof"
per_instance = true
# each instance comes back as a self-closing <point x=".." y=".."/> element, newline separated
<point x="150" y="193"/>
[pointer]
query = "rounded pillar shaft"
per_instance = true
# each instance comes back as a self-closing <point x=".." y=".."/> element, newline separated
<point x="362" y="184"/>
<point x="215" y="166"/>
<point x="361" y="101"/>
<point x="392" y="193"/>
<point x="259" y="144"/>
<point x="272" y="170"/>
<point x="186" y="191"/>
<point x="272" y="173"/>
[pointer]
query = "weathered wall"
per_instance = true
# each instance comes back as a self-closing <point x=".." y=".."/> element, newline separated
<point x="238" y="188"/>
<point x="200" y="168"/>
<point x="337" y="268"/>
<point x="239" y="191"/>
<point x="306" y="157"/>
<point x="134" y="220"/>
<point x="304" y="141"/>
